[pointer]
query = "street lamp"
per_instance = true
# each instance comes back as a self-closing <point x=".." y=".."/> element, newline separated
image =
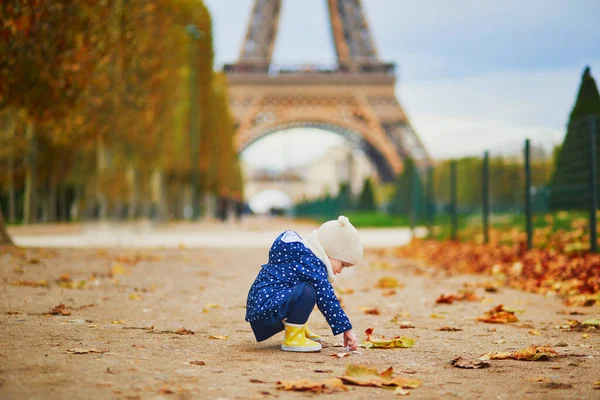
<point x="195" y="34"/>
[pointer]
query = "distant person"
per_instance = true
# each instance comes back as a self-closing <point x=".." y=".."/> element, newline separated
<point x="296" y="277"/>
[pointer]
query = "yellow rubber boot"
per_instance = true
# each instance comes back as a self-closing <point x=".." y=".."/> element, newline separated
<point x="296" y="341"/>
<point x="311" y="335"/>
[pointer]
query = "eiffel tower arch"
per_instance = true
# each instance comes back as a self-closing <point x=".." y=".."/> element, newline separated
<point x="356" y="98"/>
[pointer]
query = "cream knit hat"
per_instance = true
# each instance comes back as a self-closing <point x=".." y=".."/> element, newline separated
<point x="340" y="240"/>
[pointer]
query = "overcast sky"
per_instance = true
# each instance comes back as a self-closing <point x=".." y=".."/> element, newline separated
<point x="472" y="74"/>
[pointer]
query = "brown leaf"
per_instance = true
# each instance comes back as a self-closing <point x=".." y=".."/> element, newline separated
<point x="59" y="310"/>
<point x="183" y="331"/>
<point x="370" y="311"/>
<point x="252" y="380"/>
<point x="449" y="329"/>
<point x="389" y="292"/>
<point x="467" y="295"/>
<point x="340" y="355"/>
<point x="460" y="362"/>
<point x="138" y="346"/>
<point x="165" y="391"/>
<point x="199" y="363"/>
<point x="327" y="386"/>
<point x="323" y="371"/>
<point x="498" y="315"/>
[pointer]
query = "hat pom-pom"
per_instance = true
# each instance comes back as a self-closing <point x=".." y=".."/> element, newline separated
<point x="343" y="220"/>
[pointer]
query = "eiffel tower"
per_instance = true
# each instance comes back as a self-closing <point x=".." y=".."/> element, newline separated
<point x="355" y="99"/>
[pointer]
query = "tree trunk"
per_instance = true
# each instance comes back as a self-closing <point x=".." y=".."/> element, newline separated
<point x="30" y="200"/>
<point x="52" y="205"/>
<point x="133" y="193"/>
<point x="159" y="199"/>
<point x="4" y="236"/>
<point x="62" y="202"/>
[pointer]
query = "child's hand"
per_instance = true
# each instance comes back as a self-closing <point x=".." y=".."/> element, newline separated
<point x="350" y="340"/>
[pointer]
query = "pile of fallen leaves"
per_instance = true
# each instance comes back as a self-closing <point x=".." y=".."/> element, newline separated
<point x="546" y="270"/>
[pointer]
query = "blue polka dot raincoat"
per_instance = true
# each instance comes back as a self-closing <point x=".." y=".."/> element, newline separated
<point x="293" y="262"/>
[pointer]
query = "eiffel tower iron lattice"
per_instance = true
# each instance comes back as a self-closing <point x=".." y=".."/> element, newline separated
<point x="355" y="99"/>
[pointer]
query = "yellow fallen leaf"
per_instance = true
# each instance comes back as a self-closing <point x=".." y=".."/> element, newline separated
<point x="135" y="296"/>
<point x="437" y="316"/>
<point x="487" y="300"/>
<point x="18" y="268"/>
<point x="364" y="376"/>
<point x="597" y="383"/>
<point x="534" y="332"/>
<point x="118" y="269"/>
<point x="585" y="336"/>
<point x="388" y="282"/>
<point x="383" y="343"/>
<point x="93" y="326"/>
<point x="401" y="392"/>
<point x="219" y="337"/>
<point x="118" y="322"/>
<point x="209" y="306"/>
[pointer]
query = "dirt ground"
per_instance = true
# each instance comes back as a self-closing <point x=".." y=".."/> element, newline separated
<point x="129" y="312"/>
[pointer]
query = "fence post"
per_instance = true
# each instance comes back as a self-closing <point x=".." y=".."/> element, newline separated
<point x="485" y="186"/>
<point x="430" y="204"/>
<point x="454" y="214"/>
<point x="593" y="177"/>
<point x="528" y="211"/>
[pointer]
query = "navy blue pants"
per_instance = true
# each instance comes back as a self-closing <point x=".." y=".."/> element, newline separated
<point x="297" y="309"/>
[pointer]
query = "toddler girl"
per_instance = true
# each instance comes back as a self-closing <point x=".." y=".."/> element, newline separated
<point x="296" y="277"/>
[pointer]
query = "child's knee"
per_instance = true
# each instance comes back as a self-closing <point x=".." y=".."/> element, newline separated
<point x="309" y="292"/>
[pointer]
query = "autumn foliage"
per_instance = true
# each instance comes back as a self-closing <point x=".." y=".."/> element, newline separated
<point x="537" y="270"/>
<point x="95" y="107"/>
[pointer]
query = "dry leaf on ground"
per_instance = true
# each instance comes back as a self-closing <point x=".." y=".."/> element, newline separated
<point x="183" y="331"/>
<point x="42" y="283"/>
<point x="531" y="353"/>
<point x="219" y="337"/>
<point x="449" y="329"/>
<point x="370" y="311"/>
<point x="364" y="376"/>
<point x="498" y="315"/>
<point x="383" y="343"/>
<point x="460" y="362"/>
<point x="209" y="306"/>
<point x="135" y="296"/>
<point x="406" y="324"/>
<point x="327" y="386"/>
<point x="340" y="355"/>
<point x="197" y="363"/>
<point x="60" y="309"/>
<point x="467" y="295"/>
<point x="388" y="282"/>
<point x="79" y="350"/>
